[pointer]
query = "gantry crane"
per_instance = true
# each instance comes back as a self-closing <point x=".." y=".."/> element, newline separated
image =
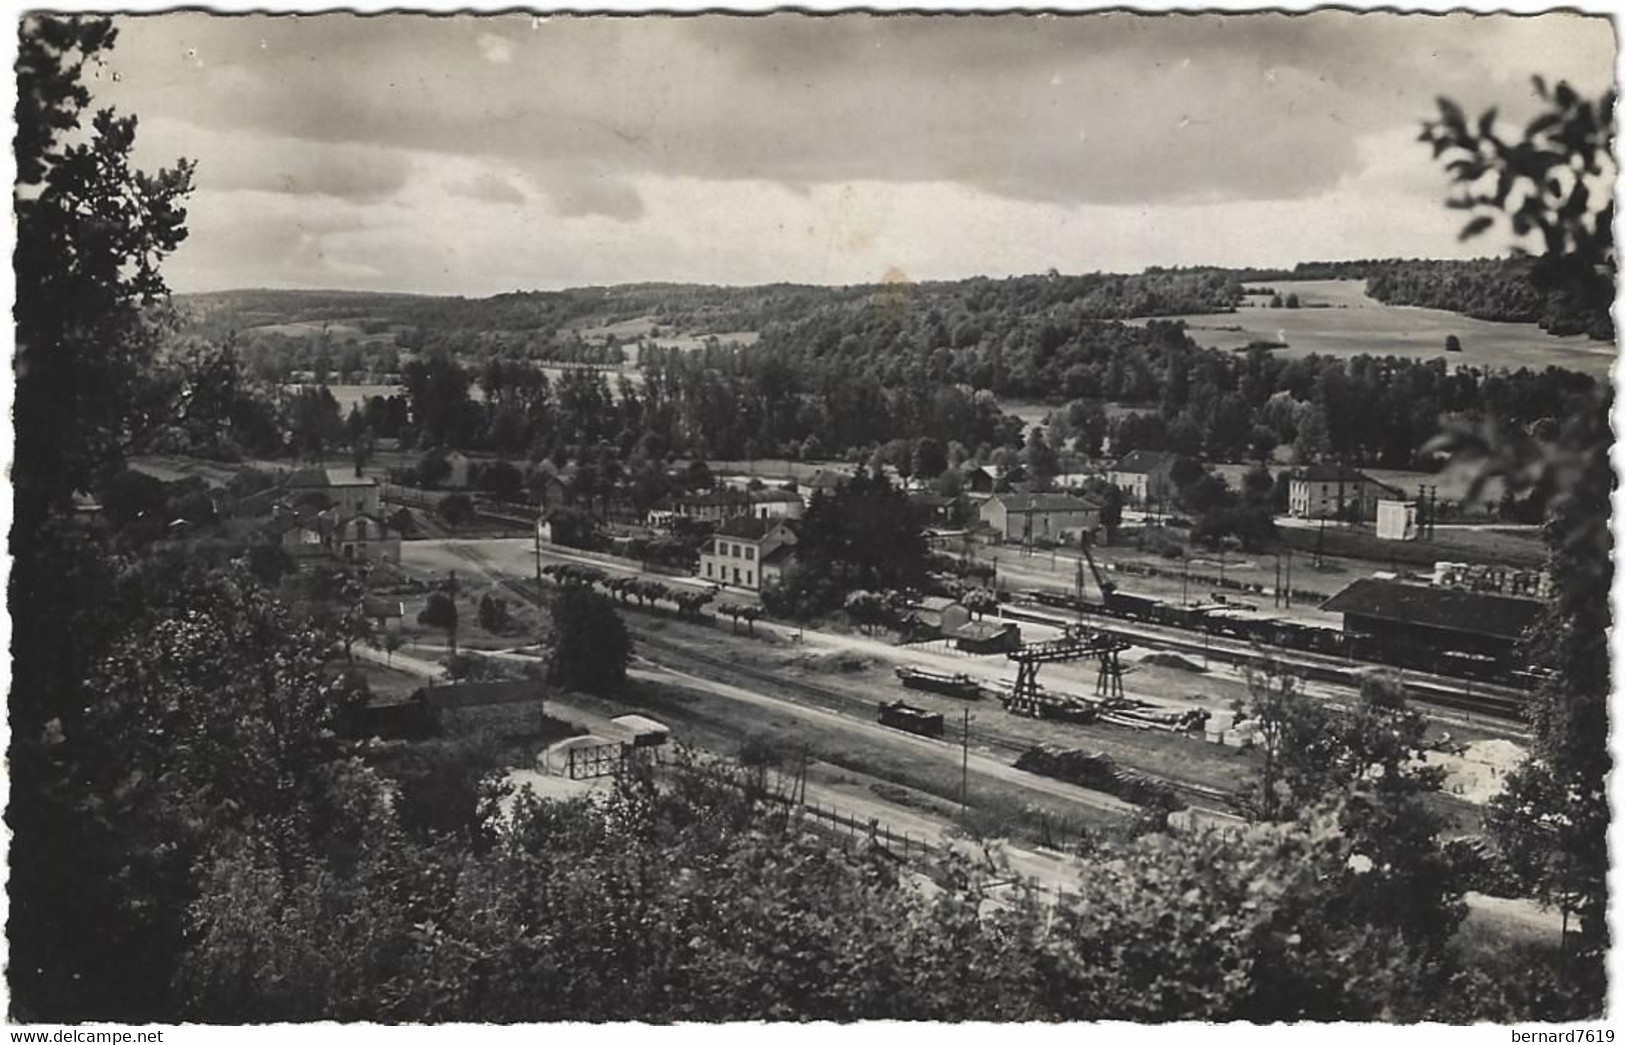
<point x="1077" y="644"/>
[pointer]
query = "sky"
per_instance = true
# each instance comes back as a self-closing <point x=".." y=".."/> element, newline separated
<point x="481" y="154"/>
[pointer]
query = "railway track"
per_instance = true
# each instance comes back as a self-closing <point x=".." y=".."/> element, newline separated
<point x="835" y="700"/>
<point x="1483" y="699"/>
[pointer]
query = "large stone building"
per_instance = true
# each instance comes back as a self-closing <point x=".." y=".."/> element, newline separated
<point x="1330" y="491"/>
<point x="1040" y="516"/>
<point x="341" y="487"/>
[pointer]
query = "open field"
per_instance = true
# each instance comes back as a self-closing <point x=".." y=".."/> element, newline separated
<point x="1352" y="324"/>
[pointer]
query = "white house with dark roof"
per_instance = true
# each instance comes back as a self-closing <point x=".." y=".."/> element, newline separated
<point x="1144" y="476"/>
<point x="747" y="550"/>
<point x="1331" y="491"/>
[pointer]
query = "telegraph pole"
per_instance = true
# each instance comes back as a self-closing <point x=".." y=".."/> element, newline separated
<point x="964" y="764"/>
<point x="536" y="535"/>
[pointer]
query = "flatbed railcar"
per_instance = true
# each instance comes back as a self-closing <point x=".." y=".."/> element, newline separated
<point x="961" y="686"/>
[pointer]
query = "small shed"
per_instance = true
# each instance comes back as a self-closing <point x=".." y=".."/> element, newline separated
<point x="985" y="637"/>
<point x="641" y="731"/>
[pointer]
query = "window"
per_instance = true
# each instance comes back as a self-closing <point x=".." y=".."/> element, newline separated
<point x="748" y="580"/>
<point x="733" y="550"/>
<point x="750" y="554"/>
<point x="720" y="547"/>
<point x="736" y="575"/>
<point x="708" y="569"/>
<point x="361" y="529"/>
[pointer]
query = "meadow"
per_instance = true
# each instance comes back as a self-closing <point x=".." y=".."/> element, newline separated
<point x="1338" y="319"/>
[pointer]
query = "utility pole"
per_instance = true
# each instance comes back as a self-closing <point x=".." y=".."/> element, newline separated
<point x="964" y="764"/>
<point x="1289" y="577"/>
<point x="537" y="543"/>
<point x="1277" y="580"/>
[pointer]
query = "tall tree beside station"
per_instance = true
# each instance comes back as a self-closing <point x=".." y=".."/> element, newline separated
<point x="1554" y="182"/>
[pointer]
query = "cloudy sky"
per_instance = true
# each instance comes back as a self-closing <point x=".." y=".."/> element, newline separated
<point x="474" y="155"/>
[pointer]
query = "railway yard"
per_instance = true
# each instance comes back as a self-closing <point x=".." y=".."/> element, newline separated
<point x="813" y="695"/>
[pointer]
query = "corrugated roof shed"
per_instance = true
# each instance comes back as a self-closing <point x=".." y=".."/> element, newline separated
<point x="1475" y="612"/>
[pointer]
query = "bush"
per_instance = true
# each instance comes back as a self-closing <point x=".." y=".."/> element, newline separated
<point x="457" y="509"/>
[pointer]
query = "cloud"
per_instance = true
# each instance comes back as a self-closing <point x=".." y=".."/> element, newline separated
<point x="489" y="188"/>
<point x="602" y="197"/>
<point x="1171" y="109"/>
<point x="286" y="166"/>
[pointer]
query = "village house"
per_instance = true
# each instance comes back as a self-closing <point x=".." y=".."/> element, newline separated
<point x="747" y="552"/>
<point x="711" y="506"/>
<point x="935" y="509"/>
<point x="1145" y="476"/>
<point x="300" y="537"/>
<point x="1040" y="516"/>
<point x="1331" y="491"/>
<point x="824" y="481"/>
<point x="776" y="504"/>
<point x="457" y="478"/>
<point x="341" y="487"/>
<point x="386" y="614"/>
<point x="363" y="538"/>
<point x="351" y="536"/>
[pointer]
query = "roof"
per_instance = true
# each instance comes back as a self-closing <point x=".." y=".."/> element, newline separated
<point x="772" y="496"/>
<point x="1145" y="461"/>
<point x="746" y="527"/>
<point x="1331" y="473"/>
<point x="715" y="497"/>
<point x="321" y="478"/>
<point x="640" y="724"/>
<point x="825" y="480"/>
<point x="979" y="630"/>
<point x="1476" y="612"/>
<point x="779" y="555"/>
<point x="1044" y="502"/>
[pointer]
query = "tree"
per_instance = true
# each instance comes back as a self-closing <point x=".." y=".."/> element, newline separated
<point x="1555" y="183"/>
<point x="1291" y="732"/>
<point x="441" y="612"/>
<point x="860" y="536"/>
<point x="930" y="458"/>
<point x="591" y="647"/>
<point x="867" y="610"/>
<point x="1112" y="501"/>
<point x="494" y="614"/>
<point x="91" y="233"/>
<point x="979" y="601"/>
